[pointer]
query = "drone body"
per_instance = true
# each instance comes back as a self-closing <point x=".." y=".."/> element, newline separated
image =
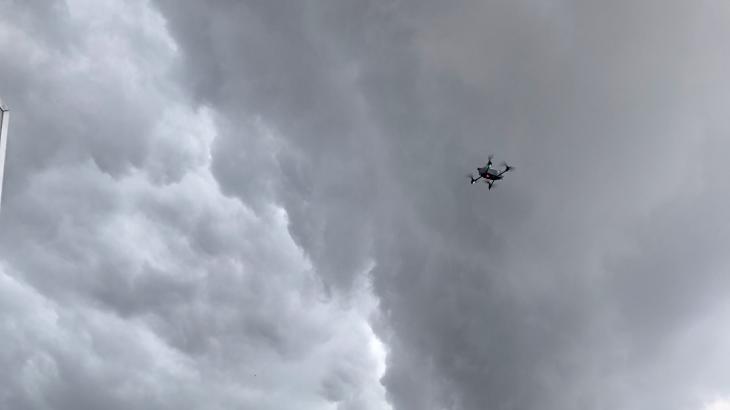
<point x="489" y="174"/>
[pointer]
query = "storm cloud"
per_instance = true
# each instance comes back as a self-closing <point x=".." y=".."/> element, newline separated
<point x="129" y="279"/>
<point x="231" y="204"/>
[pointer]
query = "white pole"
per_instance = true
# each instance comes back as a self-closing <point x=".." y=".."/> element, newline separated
<point x="4" y="117"/>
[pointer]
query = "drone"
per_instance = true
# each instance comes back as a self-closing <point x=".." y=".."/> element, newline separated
<point x="489" y="174"/>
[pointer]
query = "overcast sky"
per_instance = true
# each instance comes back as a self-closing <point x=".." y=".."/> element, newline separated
<point x="264" y="205"/>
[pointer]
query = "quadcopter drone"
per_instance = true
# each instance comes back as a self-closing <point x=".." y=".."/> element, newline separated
<point x="489" y="174"/>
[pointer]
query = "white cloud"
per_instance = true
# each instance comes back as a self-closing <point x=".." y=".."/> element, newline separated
<point x="129" y="279"/>
<point x="717" y="404"/>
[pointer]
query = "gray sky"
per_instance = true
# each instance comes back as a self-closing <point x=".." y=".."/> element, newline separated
<point x="264" y="205"/>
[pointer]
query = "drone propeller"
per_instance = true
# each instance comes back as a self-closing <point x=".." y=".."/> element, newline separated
<point x="507" y="167"/>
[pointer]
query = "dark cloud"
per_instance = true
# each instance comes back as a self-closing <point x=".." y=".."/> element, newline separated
<point x="563" y="288"/>
<point x="146" y="262"/>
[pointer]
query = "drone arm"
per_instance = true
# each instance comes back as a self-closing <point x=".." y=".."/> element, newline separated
<point x="507" y="168"/>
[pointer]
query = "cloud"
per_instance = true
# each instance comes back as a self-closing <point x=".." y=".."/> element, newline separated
<point x="129" y="279"/>
<point x="568" y="286"/>
<point x="222" y="204"/>
<point x="718" y="404"/>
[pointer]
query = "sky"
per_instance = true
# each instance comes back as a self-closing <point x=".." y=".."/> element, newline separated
<point x="265" y="205"/>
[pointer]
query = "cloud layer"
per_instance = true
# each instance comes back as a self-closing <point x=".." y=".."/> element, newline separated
<point x="228" y="198"/>
<point x="577" y="282"/>
<point x="128" y="278"/>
